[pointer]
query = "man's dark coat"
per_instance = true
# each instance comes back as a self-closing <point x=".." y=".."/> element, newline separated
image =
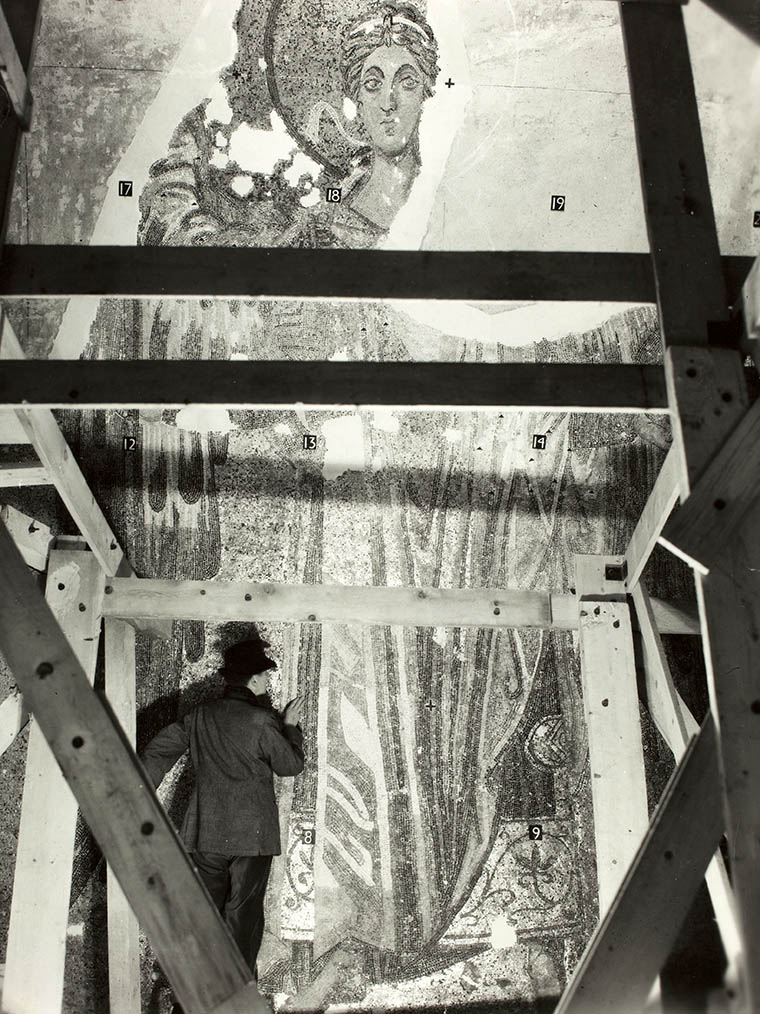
<point x="236" y="742"/>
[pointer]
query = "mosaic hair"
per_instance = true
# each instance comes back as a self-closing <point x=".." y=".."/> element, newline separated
<point x="400" y="24"/>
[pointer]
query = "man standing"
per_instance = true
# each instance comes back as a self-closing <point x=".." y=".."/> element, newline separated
<point x="231" y="828"/>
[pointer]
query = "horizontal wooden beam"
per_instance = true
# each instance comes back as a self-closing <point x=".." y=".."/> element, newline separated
<point x="12" y="75"/>
<point x="185" y="931"/>
<point x="726" y="490"/>
<point x="566" y="387"/>
<point x="333" y="274"/>
<point x="216" y="601"/>
<point x="662" y="500"/>
<point x="24" y="473"/>
<point x="631" y="944"/>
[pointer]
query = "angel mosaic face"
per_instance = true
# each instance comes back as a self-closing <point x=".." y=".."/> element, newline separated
<point x="391" y="94"/>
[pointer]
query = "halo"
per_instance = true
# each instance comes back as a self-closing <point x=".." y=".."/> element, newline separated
<point x="302" y="50"/>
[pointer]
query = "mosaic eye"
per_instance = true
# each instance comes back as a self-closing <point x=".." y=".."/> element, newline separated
<point x="372" y="84"/>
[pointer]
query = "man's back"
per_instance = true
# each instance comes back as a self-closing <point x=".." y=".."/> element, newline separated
<point x="236" y="744"/>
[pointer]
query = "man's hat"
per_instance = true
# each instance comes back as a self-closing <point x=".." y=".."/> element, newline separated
<point x="246" y="658"/>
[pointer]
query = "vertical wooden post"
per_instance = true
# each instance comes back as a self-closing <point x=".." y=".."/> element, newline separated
<point x="123" y="928"/>
<point x="611" y="704"/>
<point x="39" y="918"/>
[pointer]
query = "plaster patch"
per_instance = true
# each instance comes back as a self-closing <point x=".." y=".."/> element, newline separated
<point x="283" y="428"/>
<point x="503" y="934"/>
<point x="385" y="419"/>
<point x="204" y="420"/>
<point x="302" y="166"/>
<point x="242" y="185"/>
<point x="453" y="436"/>
<point x="258" y="150"/>
<point x="344" y="446"/>
<point x="312" y="198"/>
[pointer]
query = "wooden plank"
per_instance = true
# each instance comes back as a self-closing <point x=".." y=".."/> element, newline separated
<point x="726" y="490"/>
<point x="141" y="599"/>
<point x="23" y="473"/>
<point x="52" y="271"/>
<point x="662" y="500"/>
<point x="565" y="387"/>
<point x="32" y="538"/>
<point x="11" y="430"/>
<point x="55" y="455"/>
<point x="45" y="852"/>
<point x="676" y="191"/>
<point x="185" y="931"/>
<point x="611" y="704"/>
<point x="123" y="928"/>
<point x="631" y="944"/>
<point x="13" y="76"/>
<point x="13" y="718"/>
<point x="677" y="725"/>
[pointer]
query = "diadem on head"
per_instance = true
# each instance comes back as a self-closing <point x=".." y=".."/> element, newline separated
<point x="400" y="24"/>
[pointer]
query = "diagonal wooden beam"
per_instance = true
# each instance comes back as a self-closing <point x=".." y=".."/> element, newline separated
<point x="160" y="599"/>
<point x="565" y="387"/>
<point x="22" y="17"/>
<point x="627" y="951"/>
<point x="12" y="75"/>
<point x="185" y="930"/>
<point x="725" y="491"/>
<point x="43" y="433"/>
<point x="228" y="272"/>
<point x="13" y="718"/>
<point x="42" y="883"/>
<point x="677" y="725"/>
<point x="662" y="500"/>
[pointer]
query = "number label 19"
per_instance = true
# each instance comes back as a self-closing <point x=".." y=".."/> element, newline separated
<point x="535" y="832"/>
<point x="558" y="202"/>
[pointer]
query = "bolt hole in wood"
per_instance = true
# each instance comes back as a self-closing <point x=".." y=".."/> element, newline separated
<point x="497" y="611"/>
<point x="82" y="607"/>
<point x="73" y="395"/>
<point x="44" y="669"/>
<point x="109" y="589"/>
<point x="755" y="707"/>
<point x="147" y="828"/>
<point x="719" y="504"/>
<point x="606" y="702"/>
<point x="248" y="597"/>
<point x="727" y="396"/>
<point x="691" y="372"/>
<point x="616" y="623"/>
<point x="203" y="592"/>
<point x="151" y="881"/>
<point x="668" y="855"/>
<point x="61" y="586"/>
<point x="77" y="742"/>
<point x="312" y="617"/>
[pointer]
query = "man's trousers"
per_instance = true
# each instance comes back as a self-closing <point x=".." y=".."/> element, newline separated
<point x="237" y="885"/>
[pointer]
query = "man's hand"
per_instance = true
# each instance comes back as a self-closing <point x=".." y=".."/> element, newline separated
<point x="292" y="713"/>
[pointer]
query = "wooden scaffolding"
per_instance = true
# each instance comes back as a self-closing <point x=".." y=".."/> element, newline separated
<point x="649" y="871"/>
